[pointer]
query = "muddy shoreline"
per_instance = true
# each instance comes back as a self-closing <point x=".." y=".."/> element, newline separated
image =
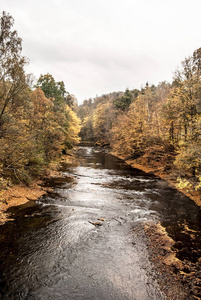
<point x="157" y="169"/>
<point x="20" y="194"/>
<point x="173" y="275"/>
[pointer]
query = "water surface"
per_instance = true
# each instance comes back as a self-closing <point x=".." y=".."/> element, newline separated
<point x="52" y="250"/>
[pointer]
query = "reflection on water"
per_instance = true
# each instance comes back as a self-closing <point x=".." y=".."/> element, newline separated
<point x="53" y="251"/>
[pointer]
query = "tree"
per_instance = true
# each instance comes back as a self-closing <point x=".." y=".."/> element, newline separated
<point x="122" y="103"/>
<point x="71" y="128"/>
<point x="34" y="128"/>
<point x="12" y="76"/>
<point x="197" y="61"/>
<point x="52" y="89"/>
<point x="71" y="101"/>
<point x="87" y="132"/>
<point x="103" y="118"/>
<point x="14" y="102"/>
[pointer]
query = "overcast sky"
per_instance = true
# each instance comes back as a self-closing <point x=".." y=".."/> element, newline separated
<point x="100" y="46"/>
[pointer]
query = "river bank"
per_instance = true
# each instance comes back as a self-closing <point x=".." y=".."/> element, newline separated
<point x="161" y="169"/>
<point x="178" y="278"/>
<point x="20" y="194"/>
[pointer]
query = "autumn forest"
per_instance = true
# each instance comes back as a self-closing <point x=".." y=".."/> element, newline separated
<point x="158" y="126"/>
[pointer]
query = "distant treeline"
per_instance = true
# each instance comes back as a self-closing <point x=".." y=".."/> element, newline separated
<point x="36" y="125"/>
<point x="157" y="124"/>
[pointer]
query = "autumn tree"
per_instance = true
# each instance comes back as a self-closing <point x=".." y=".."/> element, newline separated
<point x="63" y="106"/>
<point x="34" y="128"/>
<point x="14" y="101"/>
<point x="72" y="128"/>
<point x="12" y="76"/>
<point x="157" y="124"/>
<point x="187" y="98"/>
<point x="103" y="119"/>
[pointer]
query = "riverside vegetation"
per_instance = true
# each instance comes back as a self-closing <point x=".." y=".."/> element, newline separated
<point x="37" y="123"/>
<point x="156" y="127"/>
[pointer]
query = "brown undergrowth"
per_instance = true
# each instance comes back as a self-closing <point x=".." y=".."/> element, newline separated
<point x="180" y="280"/>
<point x="20" y="194"/>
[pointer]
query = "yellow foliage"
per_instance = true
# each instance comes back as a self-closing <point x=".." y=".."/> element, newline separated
<point x="184" y="184"/>
<point x="74" y="126"/>
<point x="102" y="122"/>
<point x="198" y="186"/>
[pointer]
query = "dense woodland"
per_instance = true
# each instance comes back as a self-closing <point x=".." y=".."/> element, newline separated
<point x="158" y="125"/>
<point x="37" y="122"/>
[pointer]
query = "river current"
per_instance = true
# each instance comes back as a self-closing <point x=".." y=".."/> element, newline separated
<point x="85" y="239"/>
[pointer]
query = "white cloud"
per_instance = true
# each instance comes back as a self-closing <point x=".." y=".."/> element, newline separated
<point x="99" y="46"/>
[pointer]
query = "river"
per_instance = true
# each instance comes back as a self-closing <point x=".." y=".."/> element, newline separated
<point x="85" y="239"/>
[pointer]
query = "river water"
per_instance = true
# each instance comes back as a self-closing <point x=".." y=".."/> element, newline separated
<point x="85" y="239"/>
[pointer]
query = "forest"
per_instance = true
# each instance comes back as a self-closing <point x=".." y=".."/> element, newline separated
<point x="158" y="125"/>
<point x="37" y="122"/>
